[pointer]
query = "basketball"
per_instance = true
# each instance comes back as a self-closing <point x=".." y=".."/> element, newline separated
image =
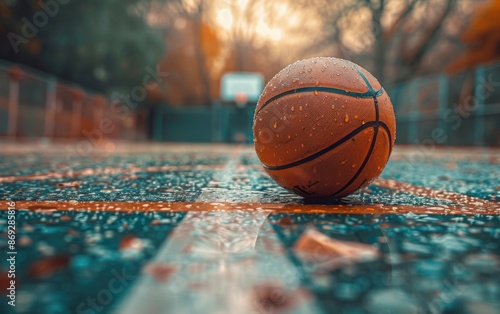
<point x="324" y="128"/>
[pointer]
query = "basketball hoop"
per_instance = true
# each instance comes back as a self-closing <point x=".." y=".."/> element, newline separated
<point x="241" y="99"/>
<point x="241" y="88"/>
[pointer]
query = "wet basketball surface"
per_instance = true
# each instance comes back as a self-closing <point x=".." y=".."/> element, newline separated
<point x="107" y="231"/>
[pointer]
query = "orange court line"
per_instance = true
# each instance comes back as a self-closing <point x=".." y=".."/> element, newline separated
<point x="453" y="197"/>
<point x="50" y="206"/>
<point x="103" y="171"/>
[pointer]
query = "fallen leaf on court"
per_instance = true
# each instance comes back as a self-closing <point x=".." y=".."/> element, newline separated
<point x="73" y="184"/>
<point x="49" y="265"/>
<point x="273" y="298"/>
<point x="316" y="247"/>
<point x="129" y="242"/>
<point x="159" y="271"/>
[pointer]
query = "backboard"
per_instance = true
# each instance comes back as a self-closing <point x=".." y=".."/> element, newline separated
<point x="249" y="84"/>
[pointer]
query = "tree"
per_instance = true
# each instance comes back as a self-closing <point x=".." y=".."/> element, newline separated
<point x="185" y="62"/>
<point x="395" y="39"/>
<point x="194" y="48"/>
<point x="482" y="37"/>
<point x="102" y="45"/>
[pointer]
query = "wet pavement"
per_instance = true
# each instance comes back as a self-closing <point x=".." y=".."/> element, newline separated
<point x="85" y="220"/>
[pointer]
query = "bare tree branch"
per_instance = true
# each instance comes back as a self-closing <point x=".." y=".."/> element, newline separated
<point x="400" y="20"/>
<point x="430" y="36"/>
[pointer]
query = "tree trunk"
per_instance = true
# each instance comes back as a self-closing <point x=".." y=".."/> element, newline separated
<point x="379" y="43"/>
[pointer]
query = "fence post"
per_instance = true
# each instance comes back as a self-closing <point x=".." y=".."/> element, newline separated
<point x="50" y="107"/>
<point x="158" y="123"/>
<point x="414" y="115"/>
<point x="215" y="110"/>
<point x="250" y="114"/>
<point x="443" y="102"/>
<point x="77" y="96"/>
<point x="15" y="76"/>
<point x="479" y="75"/>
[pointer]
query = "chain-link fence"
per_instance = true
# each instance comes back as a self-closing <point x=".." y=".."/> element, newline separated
<point x="455" y="109"/>
<point x="35" y="104"/>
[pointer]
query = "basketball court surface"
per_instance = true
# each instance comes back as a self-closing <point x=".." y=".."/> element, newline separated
<point x="164" y="228"/>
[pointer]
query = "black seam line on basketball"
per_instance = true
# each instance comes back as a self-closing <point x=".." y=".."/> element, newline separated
<point x="386" y="128"/>
<point x="377" y="115"/>
<point x="370" y="88"/>
<point x="361" y="184"/>
<point x="367" y="157"/>
<point x="326" y="149"/>
<point x="330" y="90"/>
<point x="365" y="161"/>
<point x="372" y="123"/>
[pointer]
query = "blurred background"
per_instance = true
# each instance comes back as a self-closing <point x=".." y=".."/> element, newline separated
<point x="145" y="70"/>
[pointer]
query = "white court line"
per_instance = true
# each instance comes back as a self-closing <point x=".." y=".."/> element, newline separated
<point x="220" y="257"/>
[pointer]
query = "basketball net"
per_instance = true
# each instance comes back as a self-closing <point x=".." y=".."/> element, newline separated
<point x="241" y="99"/>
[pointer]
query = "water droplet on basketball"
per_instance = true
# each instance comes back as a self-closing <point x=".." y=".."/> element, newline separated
<point x="362" y="121"/>
<point x="275" y="125"/>
<point x="317" y="83"/>
<point x="346" y="118"/>
<point x="316" y="93"/>
<point x="343" y="162"/>
<point x="353" y="165"/>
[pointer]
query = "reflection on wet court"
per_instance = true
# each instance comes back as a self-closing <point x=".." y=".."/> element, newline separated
<point x="157" y="227"/>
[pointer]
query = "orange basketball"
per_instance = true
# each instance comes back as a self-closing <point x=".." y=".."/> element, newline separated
<point x="324" y="128"/>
